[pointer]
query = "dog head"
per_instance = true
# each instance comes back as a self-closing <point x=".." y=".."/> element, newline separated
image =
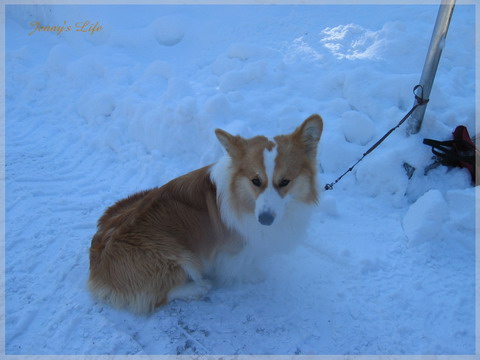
<point x="266" y="175"/>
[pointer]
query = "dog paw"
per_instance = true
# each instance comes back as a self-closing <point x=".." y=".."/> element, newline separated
<point x="190" y="291"/>
<point x="203" y="288"/>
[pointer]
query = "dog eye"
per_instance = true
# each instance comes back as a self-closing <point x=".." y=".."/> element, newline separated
<point x="284" y="183"/>
<point x="256" y="182"/>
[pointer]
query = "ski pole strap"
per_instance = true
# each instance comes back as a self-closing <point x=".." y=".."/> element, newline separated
<point x="419" y="100"/>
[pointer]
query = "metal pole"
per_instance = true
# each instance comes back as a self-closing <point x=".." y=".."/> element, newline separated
<point x="437" y="43"/>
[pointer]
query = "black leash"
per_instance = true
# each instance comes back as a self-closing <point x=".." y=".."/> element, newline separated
<point x="419" y="101"/>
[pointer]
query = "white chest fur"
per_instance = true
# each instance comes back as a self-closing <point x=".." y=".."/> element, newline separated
<point x="260" y="241"/>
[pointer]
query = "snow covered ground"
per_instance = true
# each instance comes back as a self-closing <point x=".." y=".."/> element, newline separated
<point x="389" y="263"/>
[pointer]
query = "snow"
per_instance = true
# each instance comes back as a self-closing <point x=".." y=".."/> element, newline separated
<point x="388" y="266"/>
<point x="357" y="127"/>
<point x="424" y="218"/>
<point x="167" y="31"/>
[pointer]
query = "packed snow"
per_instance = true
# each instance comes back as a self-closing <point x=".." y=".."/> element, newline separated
<point x="132" y="101"/>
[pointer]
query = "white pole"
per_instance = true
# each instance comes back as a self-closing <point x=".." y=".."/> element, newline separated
<point x="437" y="43"/>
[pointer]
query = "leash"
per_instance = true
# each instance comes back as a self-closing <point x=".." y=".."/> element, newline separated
<point x="419" y="101"/>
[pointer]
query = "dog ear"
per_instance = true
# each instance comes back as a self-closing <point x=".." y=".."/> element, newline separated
<point x="309" y="134"/>
<point x="224" y="138"/>
<point x="232" y="144"/>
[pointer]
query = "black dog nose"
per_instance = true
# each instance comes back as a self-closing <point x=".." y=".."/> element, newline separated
<point x="266" y="218"/>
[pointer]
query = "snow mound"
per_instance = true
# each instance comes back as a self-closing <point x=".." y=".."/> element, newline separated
<point x="224" y="63"/>
<point x="424" y="219"/>
<point x="252" y="73"/>
<point x="383" y="173"/>
<point x="217" y="106"/>
<point x="245" y="51"/>
<point x="457" y="200"/>
<point x="357" y="127"/>
<point x="168" y="31"/>
<point x="93" y="107"/>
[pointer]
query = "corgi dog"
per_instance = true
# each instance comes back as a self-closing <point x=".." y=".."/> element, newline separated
<point x="216" y="222"/>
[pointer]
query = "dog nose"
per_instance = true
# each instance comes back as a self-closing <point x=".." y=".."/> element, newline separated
<point x="266" y="218"/>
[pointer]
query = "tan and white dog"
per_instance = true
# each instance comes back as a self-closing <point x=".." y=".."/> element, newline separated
<point x="214" y="222"/>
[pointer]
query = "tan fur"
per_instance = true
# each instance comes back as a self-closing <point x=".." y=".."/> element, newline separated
<point x="247" y="163"/>
<point x="136" y="256"/>
<point x="294" y="165"/>
<point x="155" y="240"/>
